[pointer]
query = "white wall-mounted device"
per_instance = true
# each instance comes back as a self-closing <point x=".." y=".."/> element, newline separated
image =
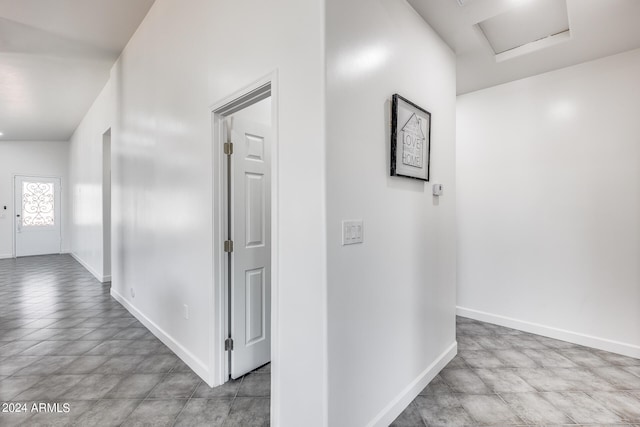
<point x="352" y="232"/>
<point x="437" y="189"/>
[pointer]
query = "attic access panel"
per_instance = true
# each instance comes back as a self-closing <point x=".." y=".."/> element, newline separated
<point x="526" y="23"/>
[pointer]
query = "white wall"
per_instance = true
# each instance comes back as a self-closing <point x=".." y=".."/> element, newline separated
<point x="391" y="308"/>
<point x="185" y="57"/>
<point x="37" y="158"/>
<point x="549" y="203"/>
<point x="85" y="166"/>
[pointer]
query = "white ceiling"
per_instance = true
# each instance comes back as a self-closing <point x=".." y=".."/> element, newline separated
<point x="529" y="23"/>
<point x="55" y="57"/>
<point x="598" y="28"/>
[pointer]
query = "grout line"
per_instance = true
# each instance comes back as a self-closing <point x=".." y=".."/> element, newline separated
<point x="238" y="390"/>
<point x="175" y="420"/>
<point x="143" y="399"/>
<point x="415" y="406"/>
<point x="511" y="409"/>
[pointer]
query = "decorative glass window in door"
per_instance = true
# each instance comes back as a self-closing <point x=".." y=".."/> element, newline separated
<point x="37" y="204"/>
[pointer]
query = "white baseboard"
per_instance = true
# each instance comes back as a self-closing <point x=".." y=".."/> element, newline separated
<point x="100" y="277"/>
<point x="193" y="362"/>
<point x="618" y="347"/>
<point x="7" y="256"/>
<point x="402" y="400"/>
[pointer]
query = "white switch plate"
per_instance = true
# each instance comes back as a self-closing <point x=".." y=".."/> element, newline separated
<point x="437" y="189"/>
<point x="186" y="312"/>
<point x="352" y="232"/>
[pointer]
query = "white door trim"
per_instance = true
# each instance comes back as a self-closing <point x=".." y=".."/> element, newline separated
<point x="15" y="208"/>
<point x="218" y="297"/>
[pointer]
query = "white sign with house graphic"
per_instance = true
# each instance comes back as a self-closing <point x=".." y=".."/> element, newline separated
<point x="413" y="141"/>
<point x="410" y="139"/>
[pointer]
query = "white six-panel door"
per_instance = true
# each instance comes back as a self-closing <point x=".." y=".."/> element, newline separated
<point x="37" y="216"/>
<point x="251" y="258"/>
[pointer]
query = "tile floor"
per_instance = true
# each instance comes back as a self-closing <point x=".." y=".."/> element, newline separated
<point x="64" y="339"/>
<point x="506" y="377"/>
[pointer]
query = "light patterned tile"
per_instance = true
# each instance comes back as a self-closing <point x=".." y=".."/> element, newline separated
<point x="489" y="409"/>
<point x="437" y="385"/>
<point x="549" y="358"/>
<point x="60" y="418"/>
<point x="481" y="359"/>
<point x="504" y="381"/>
<point x="619" y="377"/>
<point x="410" y="417"/>
<point x="134" y="386"/>
<point x="106" y="413"/>
<point x="156" y="413"/>
<point x="175" y="386"/>
<point x="442" y="411"/>
<point x="583" y="379"/>
<point x="205" y="412"/>
<point x="249" y="412"/>
<point x="624" y="404"/>
<point x="545" y="380"/>
<point x="513" y="358"/>
<point x="464" y="381"/>
<point x="582" y="408"/>
<point x="533" y="408"/>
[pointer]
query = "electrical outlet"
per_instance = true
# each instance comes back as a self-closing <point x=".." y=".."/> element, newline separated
<point x="186" y="312"/>
<point x="352" y="232"/>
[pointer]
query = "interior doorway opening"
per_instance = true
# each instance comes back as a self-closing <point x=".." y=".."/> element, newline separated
<point x="244" y="129"/>
<point x="106" y="206"/>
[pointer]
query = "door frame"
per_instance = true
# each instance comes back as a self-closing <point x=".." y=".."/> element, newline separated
<point x="107" y="212"/>
<point x="15" y="226"/>
<point x="219" y="296"/>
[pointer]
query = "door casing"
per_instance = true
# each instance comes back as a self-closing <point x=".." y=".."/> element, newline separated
<point x="219" y="295"/>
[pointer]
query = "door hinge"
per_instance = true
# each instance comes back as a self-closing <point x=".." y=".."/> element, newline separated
<point x="228" y="148"/>
<point x="228" y="246"/>
<point x="228" y="344"/>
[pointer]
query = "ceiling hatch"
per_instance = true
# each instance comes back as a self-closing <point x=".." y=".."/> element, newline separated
<point x="532" y="25"/>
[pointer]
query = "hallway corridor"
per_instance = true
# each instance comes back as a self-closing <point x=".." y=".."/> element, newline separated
<point x="64" y="339"/>
<point x="505" y="377"/>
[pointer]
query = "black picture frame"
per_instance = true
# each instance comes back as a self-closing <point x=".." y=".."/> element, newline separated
<point x="410" y="139"/>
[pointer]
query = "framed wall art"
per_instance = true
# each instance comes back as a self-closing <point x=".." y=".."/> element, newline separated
<point x="410" y="139"/>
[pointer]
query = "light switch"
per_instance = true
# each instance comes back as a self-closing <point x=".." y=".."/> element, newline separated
<point x="352" y="232"/>
<point x="437" y="189"/>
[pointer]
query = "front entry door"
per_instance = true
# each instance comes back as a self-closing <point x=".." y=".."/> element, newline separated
<point x="37" y="215"/>
<point x="250" y="206"/>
